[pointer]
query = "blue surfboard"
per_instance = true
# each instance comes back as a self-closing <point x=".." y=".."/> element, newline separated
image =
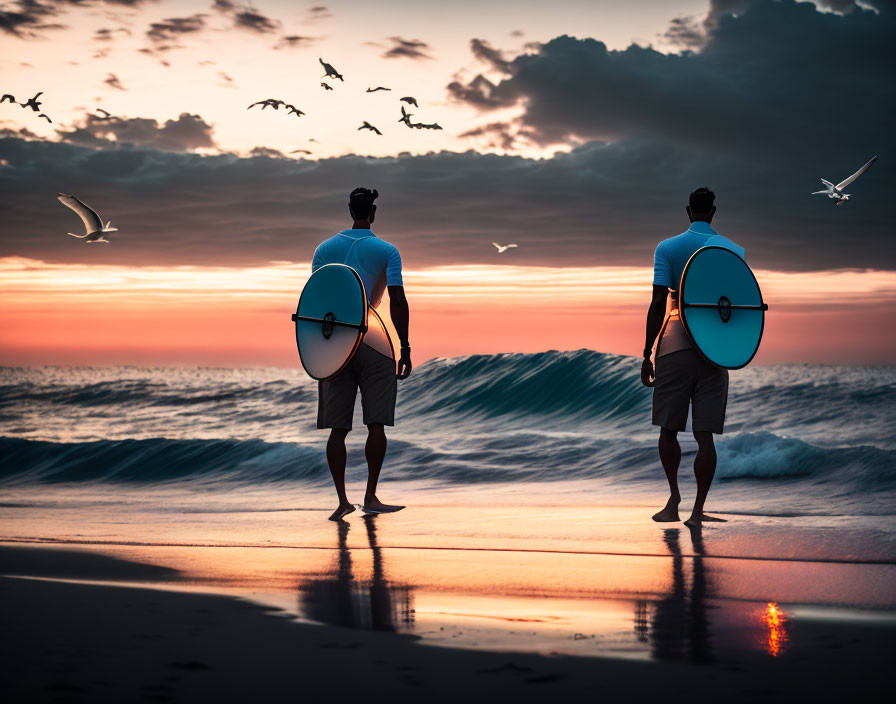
<point x="721" y="307"/>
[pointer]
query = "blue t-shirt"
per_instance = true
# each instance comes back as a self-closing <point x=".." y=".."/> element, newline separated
<point x="377" y="262"/>
<point x="672" y="254"/>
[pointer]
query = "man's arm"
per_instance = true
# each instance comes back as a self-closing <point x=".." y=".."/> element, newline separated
<point x="401" y="315"/>
<point x="656" y="313"/>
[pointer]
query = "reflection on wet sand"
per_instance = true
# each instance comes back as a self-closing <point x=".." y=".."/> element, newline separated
<point x="677" y="625"/>
<point x="776" y="622"/>
<point x="340" y="599"/>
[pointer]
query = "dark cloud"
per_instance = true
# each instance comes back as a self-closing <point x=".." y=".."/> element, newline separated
<point x="483" y="51"/>
<point x="407" y="49"/>
<point x="105" y="34"/>
<point x="114" y="81"/>
<point x="498" y="135"/>
<point x="754" y="90"/>
<point x="246" y="17"/>
<point x="266" y="153"/>
<point x="319" y="12"/>
<point x="186" y="133"/>
<point x="167" y="31"/>
<point x="29" y="19"/>
<point x="294" y="41"/>
<point x="601" y="204"/>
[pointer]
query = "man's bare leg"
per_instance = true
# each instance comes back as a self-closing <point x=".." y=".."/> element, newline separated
<point x="704" y="471"/>
<point x="375" y="451"/>
<point x="670" y="456"/>
<point x="336" y="460"/>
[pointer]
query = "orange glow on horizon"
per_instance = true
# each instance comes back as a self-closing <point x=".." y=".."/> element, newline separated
<point x="112" y="314"/>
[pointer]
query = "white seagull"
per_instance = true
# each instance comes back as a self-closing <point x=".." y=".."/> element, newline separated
<point x="836" y="192"/>
<point x="92" y="222"/>
<point x="503" y="247"/>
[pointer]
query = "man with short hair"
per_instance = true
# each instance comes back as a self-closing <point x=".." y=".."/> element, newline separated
<point x="378" y="263"/>
<point x="682" y="377"/>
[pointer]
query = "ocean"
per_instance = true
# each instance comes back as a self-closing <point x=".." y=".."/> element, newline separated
<point x="799" y="439"/>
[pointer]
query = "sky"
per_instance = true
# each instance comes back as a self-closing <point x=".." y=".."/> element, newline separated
<point x="575" y="130"/>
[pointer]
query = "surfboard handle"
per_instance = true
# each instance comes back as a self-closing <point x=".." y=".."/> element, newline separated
<point x="308" y="319"/>
<point x="764" y="306"/>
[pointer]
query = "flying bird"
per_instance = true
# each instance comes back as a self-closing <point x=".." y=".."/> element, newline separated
<point x="7" y="96"/>
<point x="330" y="71"/>
<point x="92" y="222"/>
<point x="326" y="86"/>
<point x="290" y="109"/>
<point x="46" y="118"/>
<point x="267" y="102"/>
<point x="300" y="151"/>
<point x="503" y="247"/>
<point x="368" y="126"/>
<point x="406" y="116"/>
<point x="410" y="101"/>
<point x="423" y="126"/>
<point x="836" y="192"/>
<point x="374" y="90"/>
<point x="105" y="116"/>
<point x="33" y="103"/>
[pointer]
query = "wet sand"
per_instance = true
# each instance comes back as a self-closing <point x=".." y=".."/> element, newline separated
<point x="67" y="640"/>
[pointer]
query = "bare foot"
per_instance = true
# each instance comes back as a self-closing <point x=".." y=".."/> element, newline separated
<point x="713" y="519"/>
<point x="669" y="512"/>
<point x="374" y="505"/>
<point x="341" y="512"/>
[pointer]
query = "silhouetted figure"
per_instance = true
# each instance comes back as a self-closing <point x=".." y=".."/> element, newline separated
<point x="682" y="378"/>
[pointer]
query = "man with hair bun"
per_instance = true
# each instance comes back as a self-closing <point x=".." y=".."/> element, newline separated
<point x="682" y="377"/>
<point x="378" y="263"/>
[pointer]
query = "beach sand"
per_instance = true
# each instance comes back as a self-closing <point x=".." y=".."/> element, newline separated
<point x="122" y="623"/>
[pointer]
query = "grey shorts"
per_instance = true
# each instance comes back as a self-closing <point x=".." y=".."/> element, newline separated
<point x="683" y="378"/>
<point x="374" y="374"/>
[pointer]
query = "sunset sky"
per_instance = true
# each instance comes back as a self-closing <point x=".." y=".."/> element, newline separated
<point x="575" y="130"/>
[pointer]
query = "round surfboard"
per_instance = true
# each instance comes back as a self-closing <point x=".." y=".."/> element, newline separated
<point x="377" y="336"/>
<point x="331" y="319"/>
<point x="721" y="307"/>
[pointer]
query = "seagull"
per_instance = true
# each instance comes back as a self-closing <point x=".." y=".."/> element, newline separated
<point x="92" y="222"/>
<point x="46" y="118"/>
<point x="6" y="96"/>
<point x="368" y="126"/>
<point x="406" y="116"/>
<point x="290" y="109"/>
<point x="836" y="192"/>
<point x="312" y="139"/>
<point x="33" y="102"/>
<point x="503" y="247"/>
<point x="374" y="90"/>
<point x="267" y="102"/>
<point x="330" y="71"/>
<point x="410" y="101"/>
<point x="105" y="116"/>
<point x="423" y="126"/>
<point x="326" y="86"/>
<point x="300" y="151"/>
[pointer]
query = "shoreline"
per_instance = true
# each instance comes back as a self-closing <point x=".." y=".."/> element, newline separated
<point x="103" y="643"/>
